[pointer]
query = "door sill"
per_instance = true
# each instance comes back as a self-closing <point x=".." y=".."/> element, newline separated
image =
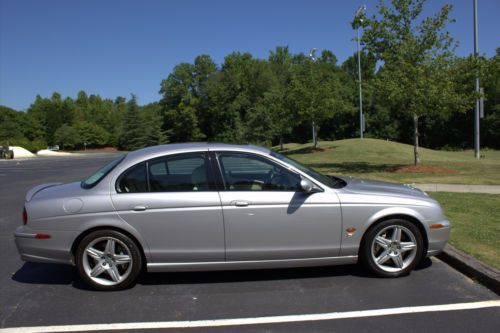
<point x="257" y="264"/>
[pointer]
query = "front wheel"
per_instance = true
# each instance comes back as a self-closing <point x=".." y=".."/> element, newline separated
<point x="392" y="248"/>
<point x="108" y="260"/>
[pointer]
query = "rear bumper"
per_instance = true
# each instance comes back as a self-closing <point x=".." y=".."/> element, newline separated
<point x="56" y="249"/>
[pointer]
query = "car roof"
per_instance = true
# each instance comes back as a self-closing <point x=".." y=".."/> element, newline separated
<point x="155" y="151"/>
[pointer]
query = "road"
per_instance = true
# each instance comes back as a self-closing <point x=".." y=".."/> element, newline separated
<point x="33" y="294"/>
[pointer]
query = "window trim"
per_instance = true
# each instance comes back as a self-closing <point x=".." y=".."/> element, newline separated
<point x="221" y="183"/>
<point x="208" y="172"/>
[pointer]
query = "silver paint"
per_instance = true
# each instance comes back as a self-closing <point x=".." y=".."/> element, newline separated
<point x="223" y="230"/>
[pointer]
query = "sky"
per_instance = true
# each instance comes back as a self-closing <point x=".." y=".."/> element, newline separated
<point x="118" y="47"/>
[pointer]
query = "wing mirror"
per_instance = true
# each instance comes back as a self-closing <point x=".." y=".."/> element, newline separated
<point x="306" y="185"/>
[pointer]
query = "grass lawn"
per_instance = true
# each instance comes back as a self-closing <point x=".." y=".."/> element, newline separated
<point x="475" y="223"/>
<point x="374" y="159"/>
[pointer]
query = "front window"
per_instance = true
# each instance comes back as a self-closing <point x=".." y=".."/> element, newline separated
<point x="101" y="173"/>
<point x="329" y="181"/>
<point x="244" y="172"/>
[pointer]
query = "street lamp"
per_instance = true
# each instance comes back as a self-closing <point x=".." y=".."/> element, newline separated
<point x="359" y="14"/>
<point x="312" y="56"/>
<point x="477" y="152"/>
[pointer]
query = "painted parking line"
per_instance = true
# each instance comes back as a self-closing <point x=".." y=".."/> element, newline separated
<point x="257" y="320"/>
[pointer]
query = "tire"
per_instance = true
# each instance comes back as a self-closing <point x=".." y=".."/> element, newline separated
<point x="388" y="255"/>
<point x="108" y="260"/>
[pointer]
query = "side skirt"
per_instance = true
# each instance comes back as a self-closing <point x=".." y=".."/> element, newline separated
<point x="258" y="264"/>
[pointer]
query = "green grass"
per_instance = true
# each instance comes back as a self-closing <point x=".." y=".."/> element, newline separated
<point x="475" y="223"/>
<point x="371" y="158"/>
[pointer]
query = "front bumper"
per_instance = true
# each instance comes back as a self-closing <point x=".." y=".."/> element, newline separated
<point x="56" y="249"/>
<point x="437" y="237"/>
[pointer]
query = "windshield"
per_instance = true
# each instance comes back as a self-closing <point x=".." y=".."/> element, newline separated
<point x="329" y="181"/>
<point x="101" y="173"/>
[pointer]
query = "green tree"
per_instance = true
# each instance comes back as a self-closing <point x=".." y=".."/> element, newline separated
<point x="152" y="125"/>
<point x="91" y="135"/>
<point x="132" y="128"/>
<point x="417" y="55"/>
<point x="10" y="124"/>
<point x="491" y="121"/>
<point x="67" y="136"/>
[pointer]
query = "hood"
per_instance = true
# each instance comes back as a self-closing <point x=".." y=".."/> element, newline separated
<point x="54" y="190"/>
<point x="376" y="187"/>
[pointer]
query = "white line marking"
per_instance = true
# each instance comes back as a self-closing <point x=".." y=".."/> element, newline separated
<point x="255" y="321"/>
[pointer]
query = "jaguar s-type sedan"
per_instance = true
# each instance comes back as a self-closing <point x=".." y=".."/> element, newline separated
<point x="204" y="206"/>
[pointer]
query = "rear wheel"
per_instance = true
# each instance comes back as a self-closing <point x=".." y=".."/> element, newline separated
<point x="392" y="248"/>
<point x="108" y="260"/>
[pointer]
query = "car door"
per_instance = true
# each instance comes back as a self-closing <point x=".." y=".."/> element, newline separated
<point x="174" y="205"/>
<point x="267" y="217"/>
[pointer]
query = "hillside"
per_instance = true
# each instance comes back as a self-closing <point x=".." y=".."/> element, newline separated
<point x="392" y="161"/>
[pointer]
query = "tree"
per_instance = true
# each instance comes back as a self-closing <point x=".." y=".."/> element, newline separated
<point x="10" y="124"/>
<point x="180" y="101"/>
<point x="276" y="99"/>
<point x="152" y="125"/>
<point x="417" y="57"/>
<point x="67" y="136"/>
<point x="491" y="121"/>
<point x="91" y="135"/>
<point x="132" y="133"/>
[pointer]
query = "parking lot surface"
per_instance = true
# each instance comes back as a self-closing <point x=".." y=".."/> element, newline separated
<point x="33" y="294"/>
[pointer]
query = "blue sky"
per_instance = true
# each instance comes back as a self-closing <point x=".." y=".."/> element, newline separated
<point x="114" y="48"/>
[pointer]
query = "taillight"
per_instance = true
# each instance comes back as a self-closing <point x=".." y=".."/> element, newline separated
<point x="25" y="216"/>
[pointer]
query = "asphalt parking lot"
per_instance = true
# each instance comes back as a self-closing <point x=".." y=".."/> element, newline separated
<point x="33" y="294"/>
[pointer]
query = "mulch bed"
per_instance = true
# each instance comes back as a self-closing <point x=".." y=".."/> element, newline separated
<point x="421" y="168"/>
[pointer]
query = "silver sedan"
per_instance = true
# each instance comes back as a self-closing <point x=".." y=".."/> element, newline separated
<point x="196" y="207"/>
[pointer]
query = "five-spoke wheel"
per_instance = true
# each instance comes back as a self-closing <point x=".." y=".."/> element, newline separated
<point x="108" y="260"/>
<point x="392" y="248"/>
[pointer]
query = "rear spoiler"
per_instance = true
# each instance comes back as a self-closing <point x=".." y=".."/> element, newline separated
<point x="31" y="193"/>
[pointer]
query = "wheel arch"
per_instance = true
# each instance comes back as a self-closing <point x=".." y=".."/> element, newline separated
<point x="410" y="216"/>
<point x="86" y="232"/>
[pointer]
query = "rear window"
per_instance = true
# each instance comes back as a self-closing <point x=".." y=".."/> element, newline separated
<point x="94" y="179"/>
<point x="174" y="173"/>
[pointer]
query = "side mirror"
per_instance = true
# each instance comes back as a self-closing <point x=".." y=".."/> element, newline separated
<point x="306" y="185"/>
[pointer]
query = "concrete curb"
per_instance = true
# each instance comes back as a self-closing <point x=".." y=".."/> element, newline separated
<point x="473" y="268"/>
<point x="490" y="189"/>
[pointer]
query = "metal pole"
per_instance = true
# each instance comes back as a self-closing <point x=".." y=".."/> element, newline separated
<point x="313" y="59"/>
<point x="477" y="152"/>
<point x="361" y="120"/>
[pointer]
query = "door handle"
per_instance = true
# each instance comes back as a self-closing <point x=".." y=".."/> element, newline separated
<point x="140" y="208"/>
<point x="240" y="203"/>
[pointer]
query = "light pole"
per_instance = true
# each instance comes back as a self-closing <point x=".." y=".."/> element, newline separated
<point x="360" y="13"/>
<point x="477" y="152"/>
<point x="312" y="56"/>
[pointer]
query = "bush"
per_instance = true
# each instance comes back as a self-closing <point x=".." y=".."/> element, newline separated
<point x="32" y="146"/>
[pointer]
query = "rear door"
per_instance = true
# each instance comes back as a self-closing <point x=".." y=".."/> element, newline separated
<point x="172" y="202"/>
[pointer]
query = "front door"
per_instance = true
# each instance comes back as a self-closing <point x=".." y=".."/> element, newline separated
<point x="267" y="217"/>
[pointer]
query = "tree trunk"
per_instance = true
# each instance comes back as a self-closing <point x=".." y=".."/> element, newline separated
<point x="315" y="136"/>
<point x="415" y="139"/>
<point x="281" y="143"/>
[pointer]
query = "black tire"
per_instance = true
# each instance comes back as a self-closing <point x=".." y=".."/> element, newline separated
<point x="125" y="245"/>
<point x="370" y="250"/>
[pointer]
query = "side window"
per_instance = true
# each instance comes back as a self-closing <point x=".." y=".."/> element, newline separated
<point x="245" y="172"/>
<point x="178" y="173"/>
<point x="133" y="180"/>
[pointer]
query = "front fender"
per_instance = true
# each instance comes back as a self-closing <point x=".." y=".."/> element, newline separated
<point x="362" y="217"/>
